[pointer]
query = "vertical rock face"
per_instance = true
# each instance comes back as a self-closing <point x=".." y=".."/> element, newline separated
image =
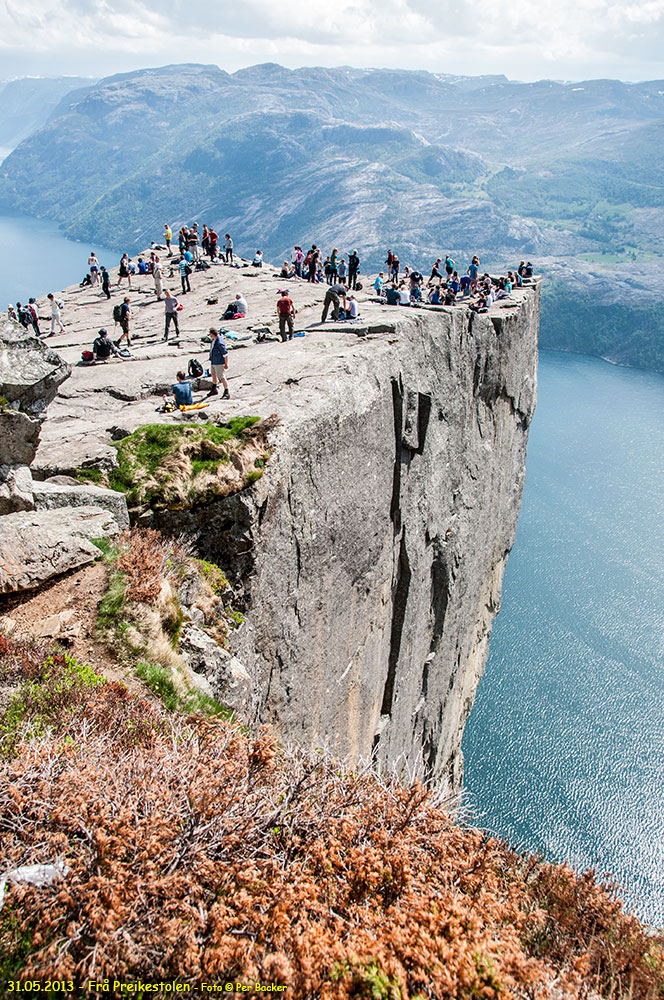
<point x="379" y="534"/>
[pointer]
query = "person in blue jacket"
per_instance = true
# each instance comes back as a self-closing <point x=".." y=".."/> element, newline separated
<point x="218" y="363"/>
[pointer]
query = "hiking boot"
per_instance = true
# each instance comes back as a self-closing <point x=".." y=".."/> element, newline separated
<point x="213" y="391"/>
<point x="226" y="394"/>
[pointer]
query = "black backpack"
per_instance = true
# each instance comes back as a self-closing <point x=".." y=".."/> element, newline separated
<point x="117" y="313"/>
<point x="195" y="368"/>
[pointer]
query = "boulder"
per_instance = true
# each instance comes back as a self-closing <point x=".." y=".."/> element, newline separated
<point x="19" y="437"/>
<point x="229" y="679"/>
<point x="38" y="545"/>
<point x="53" y="494"/>
<point x="30" y="372"/>
<point x="15" y="489"/>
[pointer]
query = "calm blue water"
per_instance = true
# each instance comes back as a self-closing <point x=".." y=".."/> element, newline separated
<point x="564" y="749"/>
<point x="36" y="258"/>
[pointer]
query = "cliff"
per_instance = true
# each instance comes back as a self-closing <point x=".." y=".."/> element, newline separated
<point x="368" y="558"/>
<point x="379" y="534"/>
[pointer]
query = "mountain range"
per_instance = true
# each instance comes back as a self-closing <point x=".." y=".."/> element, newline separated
<point x="567" y="174"/>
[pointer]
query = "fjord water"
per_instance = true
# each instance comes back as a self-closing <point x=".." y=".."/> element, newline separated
<point x="564" y="749"/>
<point x="37" y="258"/>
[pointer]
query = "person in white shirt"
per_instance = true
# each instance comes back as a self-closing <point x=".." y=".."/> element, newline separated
<point x="241" y="303"/>
<point x="56" y="314"/>
<point x="93" y="267"/>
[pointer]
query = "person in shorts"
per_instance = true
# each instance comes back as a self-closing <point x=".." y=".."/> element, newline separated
<point x="218" y="363"/>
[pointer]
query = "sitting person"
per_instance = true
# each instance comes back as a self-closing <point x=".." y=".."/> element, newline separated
<point x="434" y="296"/>
<point x="464" y="282"/>
<point x="392" y="296"/>
<point x="241" y="305"/>
<point x="286" y="271"/>
<point x="87" y="280"/>
<point x="142" y="266"/>
<point x="182" y="390"/>
<point x="103" y="347"/>
<point x="454" y="283"/>
<point x="258" y="259"/>
<point x="450" y="297"/>
<point x="404" y="295"/>
<point x="353" y="309"/>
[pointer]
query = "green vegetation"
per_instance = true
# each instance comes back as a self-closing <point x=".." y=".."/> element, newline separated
<point x="89" y="475"/>
<point x="629" y="334"/>
<point x="56" y="686"/>
<point x="367" y="980"/>
<point x="162" y="464"/>
<point x="160" y="681"/>
<point x="215" y="577"/>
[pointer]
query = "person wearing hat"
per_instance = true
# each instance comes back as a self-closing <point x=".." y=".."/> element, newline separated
<point x="286" y="314"/>
<point x="353" y="269"/>
<point x="103" y="346"/>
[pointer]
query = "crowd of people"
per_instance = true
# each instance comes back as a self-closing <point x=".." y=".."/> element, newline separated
<point x="199" y="248"/>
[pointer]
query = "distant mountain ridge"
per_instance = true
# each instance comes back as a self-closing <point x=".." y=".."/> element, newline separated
<point x="27" y="103"/>
<point x="568" y="174"/>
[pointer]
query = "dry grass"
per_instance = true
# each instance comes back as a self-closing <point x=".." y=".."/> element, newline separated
<point x="201" y="851"/>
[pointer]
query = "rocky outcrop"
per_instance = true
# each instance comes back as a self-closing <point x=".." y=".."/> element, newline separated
<point x="60" y="492"/>
<point x="46" y="527"/>
<point x="38" y="545"/>
<point x="372" y="550"/>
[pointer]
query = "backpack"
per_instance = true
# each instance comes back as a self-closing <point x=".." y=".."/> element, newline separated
<point x="187" y="268"/>
<point x="87" y="356"/>
<point x="195" y="368"/>
<point x="117" y="313"/>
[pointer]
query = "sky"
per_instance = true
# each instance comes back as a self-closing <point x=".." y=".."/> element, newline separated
<point x="524" y="39"/>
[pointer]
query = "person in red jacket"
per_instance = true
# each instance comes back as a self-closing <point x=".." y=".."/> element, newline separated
<point x="286" y="314"/>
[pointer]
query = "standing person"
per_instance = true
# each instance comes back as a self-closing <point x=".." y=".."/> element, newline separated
<point x="449" y="266"/>
<point x="341" y="271"/>
<point x="170" y="307"/>
<point x="105" y="282"/>
<point x="334" y="264"/>
<point x="125" y="318"/>
<point x="388" y="261"/>
<point x="353" y="269"/>
<point x="24" y="315"/>
<point x="93" y="267"/>
<point x="296" y="260"/>
<point x="193" y="242"/>
<point x="32" y="306"/>
<point x="286" y="314"/>
<point x="436" y="276"/>
<point x="395" y="268"/>
<point x="378" y="284"/>
<point x="228" y="247"/>
<point x="124" y="269"/>
<point x="218" y="363"/>
<point x="185" y="271"/>
<point x="313" y="262"/>
<point x="182" y="240"/>
<point x="212" y="244"/>
<point x="157" y="276"/>
<point x="205" y="240"/>
<point x="56" y="314"/>
<point x="333" y="297"/>
<point x="168" y="236"/>
<point x="473" y="274"/>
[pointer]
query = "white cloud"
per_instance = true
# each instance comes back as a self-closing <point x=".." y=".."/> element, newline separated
<point x="524" y="39"/>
